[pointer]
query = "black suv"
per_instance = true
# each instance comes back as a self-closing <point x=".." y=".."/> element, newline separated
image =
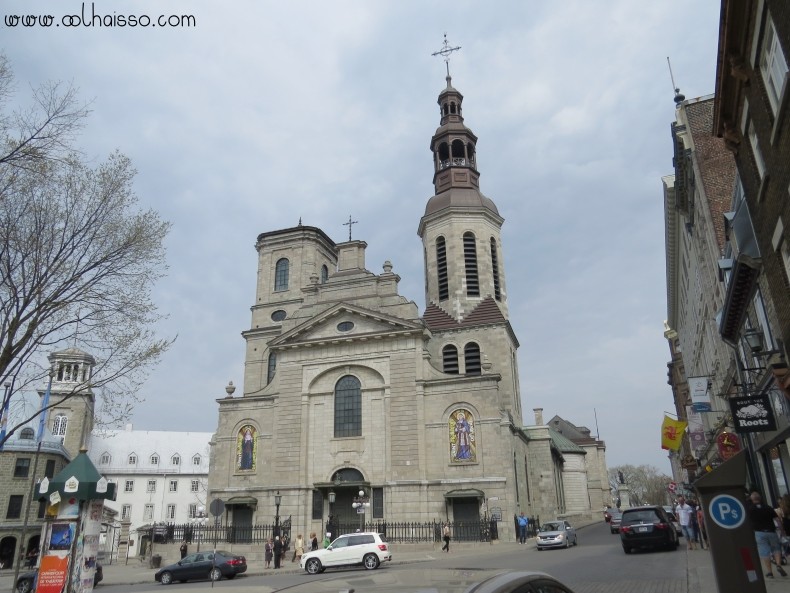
<point x="647" y="527"/>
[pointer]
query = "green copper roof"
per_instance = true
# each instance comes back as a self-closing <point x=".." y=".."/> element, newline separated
<point x="564" y="445"/>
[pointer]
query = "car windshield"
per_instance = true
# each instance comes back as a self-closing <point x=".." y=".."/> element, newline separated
<point x="646" y="516"/>
<point x="552" y="527"/>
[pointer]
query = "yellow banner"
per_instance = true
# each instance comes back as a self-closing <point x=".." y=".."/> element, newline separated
<point x="672" y="433"/>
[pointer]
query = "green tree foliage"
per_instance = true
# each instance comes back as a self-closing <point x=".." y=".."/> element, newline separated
<point x="646" y="484"/>
<point x="78" y="256"/>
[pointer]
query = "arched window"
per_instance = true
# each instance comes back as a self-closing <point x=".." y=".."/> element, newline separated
<point x="458" y="149"/>
<point x="59" y="425"/>
<point x="470" y="262"/>
<point x="450" y="359"/>
<point x="472" y="358"/>
<point x="281" y="275"/>
<point x="444" y="151"/>
<point x="324" y="274"/>
<point x="272" y="367"/>
<point x="441" y="268"/>
<point x="495" y="270"/>
<point x="348" y="407"/>
<point x="27" y="434"/>
<point x="470" y="153"/>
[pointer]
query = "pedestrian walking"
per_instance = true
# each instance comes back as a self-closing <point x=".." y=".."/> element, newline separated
<point x="184" y="549"/>
<point x="522" y="528"/>
<point x="764" y="523"/>
<point x="286" y="547"/>
<point x="684" y="513"/>
<point x="298" y="549"/>
<point x="268" y="552"/>
<point x="313" y="542"/>
<point x="446" y="538"/>
<point x="278" y="551"/>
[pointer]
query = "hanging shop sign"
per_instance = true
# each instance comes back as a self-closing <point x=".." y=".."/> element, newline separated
<point x="752" y="413"/>
<point x="728" y="445"/>
<point x="698" y="387"/>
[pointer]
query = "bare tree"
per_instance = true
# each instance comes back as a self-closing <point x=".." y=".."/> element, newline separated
<point x="646" y="484"/>
<point x="78" y="257"/>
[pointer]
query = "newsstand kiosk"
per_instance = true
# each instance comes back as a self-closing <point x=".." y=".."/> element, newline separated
<point x="735" y="560"/>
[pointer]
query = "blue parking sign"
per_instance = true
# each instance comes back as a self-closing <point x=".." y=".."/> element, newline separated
<point x="727" y="511"/>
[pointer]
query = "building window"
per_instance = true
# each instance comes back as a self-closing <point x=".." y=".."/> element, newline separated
<point x="27" y="434"/>
<point x="151" y="486"/>
<point x="324" y="274"/>
<point x="50" y="470"/>
<point x="279" y="315"/>
<point x="128" y="486"/>
<point x="495" y="270"/>
<point x="272" y="367"/>
<point x="345" y="326"/>
<point x="42" y="509"/>
<point x="171" y="512"/>
<point x="450" y="359"/>
<point x="378" y="503"/>
<point x="105" y="459"/>
<point x="59" y="425"/>
<point x="348" y="407"/>
<point x="132" y="459"/>
<point x="14" y="506"/>
<point x="472" y="359"/>
<point x="773" y="65"/>
<point x="192" y="511"/>
<point x="470" y="262"/>
<point x="441" y="268"/>
<point x="126" y="512"/>
<point x="196" y="460"/>
<point x="318" y="505"/>
<point x="195" y="486"/>
<point x="176" y="460"/>
<point x="173" y="485"/>
<point x="758" y="155"/>
<point x="148" y="512"/>
<point x="154" y="459"/>
<point x="281" y="275"/>
<point x="22" y="467"/>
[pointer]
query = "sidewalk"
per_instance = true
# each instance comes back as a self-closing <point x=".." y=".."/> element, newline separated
<point x="702" y="579"/>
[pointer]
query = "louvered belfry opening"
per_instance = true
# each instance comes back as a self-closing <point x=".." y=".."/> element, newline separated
<point x="470" y="261"/>
<point x="472" y="358"/>
<point x="450" y="359"/>
<point x="495" y="270"/>
<point x="441" y="265"/>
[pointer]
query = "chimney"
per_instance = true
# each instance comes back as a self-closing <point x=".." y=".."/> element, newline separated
<point x="538" y="416"/>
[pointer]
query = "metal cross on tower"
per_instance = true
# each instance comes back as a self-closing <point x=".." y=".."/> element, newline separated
<point x="445" y="53"/>
<point x="348" y="224"/>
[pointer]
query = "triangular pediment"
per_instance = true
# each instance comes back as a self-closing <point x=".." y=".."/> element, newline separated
<point x="344" y="322"/>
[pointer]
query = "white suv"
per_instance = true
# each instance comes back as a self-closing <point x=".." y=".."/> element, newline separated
<point x="367" y="549"/>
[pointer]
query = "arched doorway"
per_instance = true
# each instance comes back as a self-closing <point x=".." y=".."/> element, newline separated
<point x="7" y="551"/>
<point x="32" y="550"/>
<point x="346" y="484"/>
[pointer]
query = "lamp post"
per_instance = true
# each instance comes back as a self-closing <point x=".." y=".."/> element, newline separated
<point x="277" y="500"/>
<point x="200" y="520"/>
<point x="360" y="503"/>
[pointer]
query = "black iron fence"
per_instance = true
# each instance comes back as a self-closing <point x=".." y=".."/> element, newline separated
<point x="483" y="530"/>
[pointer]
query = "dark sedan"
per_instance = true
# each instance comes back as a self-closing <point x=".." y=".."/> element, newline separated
<point x="24" y="584"/>
<point x="647" y="527"/>
<point x="203" y="565"/>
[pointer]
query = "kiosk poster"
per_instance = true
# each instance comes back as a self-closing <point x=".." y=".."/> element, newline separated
<point x="52" y="574"/>
<point x="62" y="536"/>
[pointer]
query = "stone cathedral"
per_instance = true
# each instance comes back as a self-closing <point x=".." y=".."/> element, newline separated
<point x="349" y="388"/>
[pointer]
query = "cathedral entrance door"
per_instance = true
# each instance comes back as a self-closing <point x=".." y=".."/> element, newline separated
<point x="242" y="524"/>
<point x="466" y="519"/>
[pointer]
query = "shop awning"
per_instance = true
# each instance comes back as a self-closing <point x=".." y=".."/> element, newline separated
<point x="242" y="500"/>
<point x="468" y="493"/>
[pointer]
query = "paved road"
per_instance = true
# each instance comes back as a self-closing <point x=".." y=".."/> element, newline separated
<point x="596" y="565"/>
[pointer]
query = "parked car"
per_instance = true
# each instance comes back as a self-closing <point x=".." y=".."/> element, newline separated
<point x="24" y="583"/>
<point x="670" y="511"/>
<point x="203" y="565"/>
<point x="614" y="521"/>
<point x="647" y="527"/>
<point x="556" y="534"/>
<point x="519" y="581"/>
<point x="368" y="549"/>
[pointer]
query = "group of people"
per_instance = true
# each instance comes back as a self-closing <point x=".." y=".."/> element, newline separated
<point x="692" y="523"/>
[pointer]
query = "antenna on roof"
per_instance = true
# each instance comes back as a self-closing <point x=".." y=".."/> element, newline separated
<point x="597" y="432"/>
<point x="679" y="97"/>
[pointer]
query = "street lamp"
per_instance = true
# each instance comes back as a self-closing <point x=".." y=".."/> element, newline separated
<point x="200" y="519"/>
<point x="277" y="500"/>
<point x="360" y="502"/>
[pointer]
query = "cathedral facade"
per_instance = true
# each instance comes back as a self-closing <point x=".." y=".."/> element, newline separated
<point x="352" y="395"/>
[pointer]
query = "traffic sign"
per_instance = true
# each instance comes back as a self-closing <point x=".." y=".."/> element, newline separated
<point x="672" y="486"/>
<point x="217" y="507"/>
<point x="727" y="511"/>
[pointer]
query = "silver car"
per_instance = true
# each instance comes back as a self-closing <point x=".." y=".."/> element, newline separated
<point x="556" y="534"/>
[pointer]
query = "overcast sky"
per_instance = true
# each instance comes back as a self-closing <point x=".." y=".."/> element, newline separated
<point x="265" y="112"/>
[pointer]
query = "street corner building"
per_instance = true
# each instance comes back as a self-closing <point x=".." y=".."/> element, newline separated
<point x="351" y="394"/>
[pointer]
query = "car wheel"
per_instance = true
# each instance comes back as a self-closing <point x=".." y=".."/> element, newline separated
<point x="370" y="561"/>
<point x="182" y="580"/>
<point x="215" y="574"/>
<point x="626" y="549"/>
<point x="313" y="566"/>
<point x="576" y="541"/>
<point x="567" y="543"/>
<point x="24" y="586"/>
<point x="166" y="578"/>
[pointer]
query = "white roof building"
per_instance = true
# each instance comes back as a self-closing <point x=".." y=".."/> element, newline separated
<point x="161" y="475"/>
